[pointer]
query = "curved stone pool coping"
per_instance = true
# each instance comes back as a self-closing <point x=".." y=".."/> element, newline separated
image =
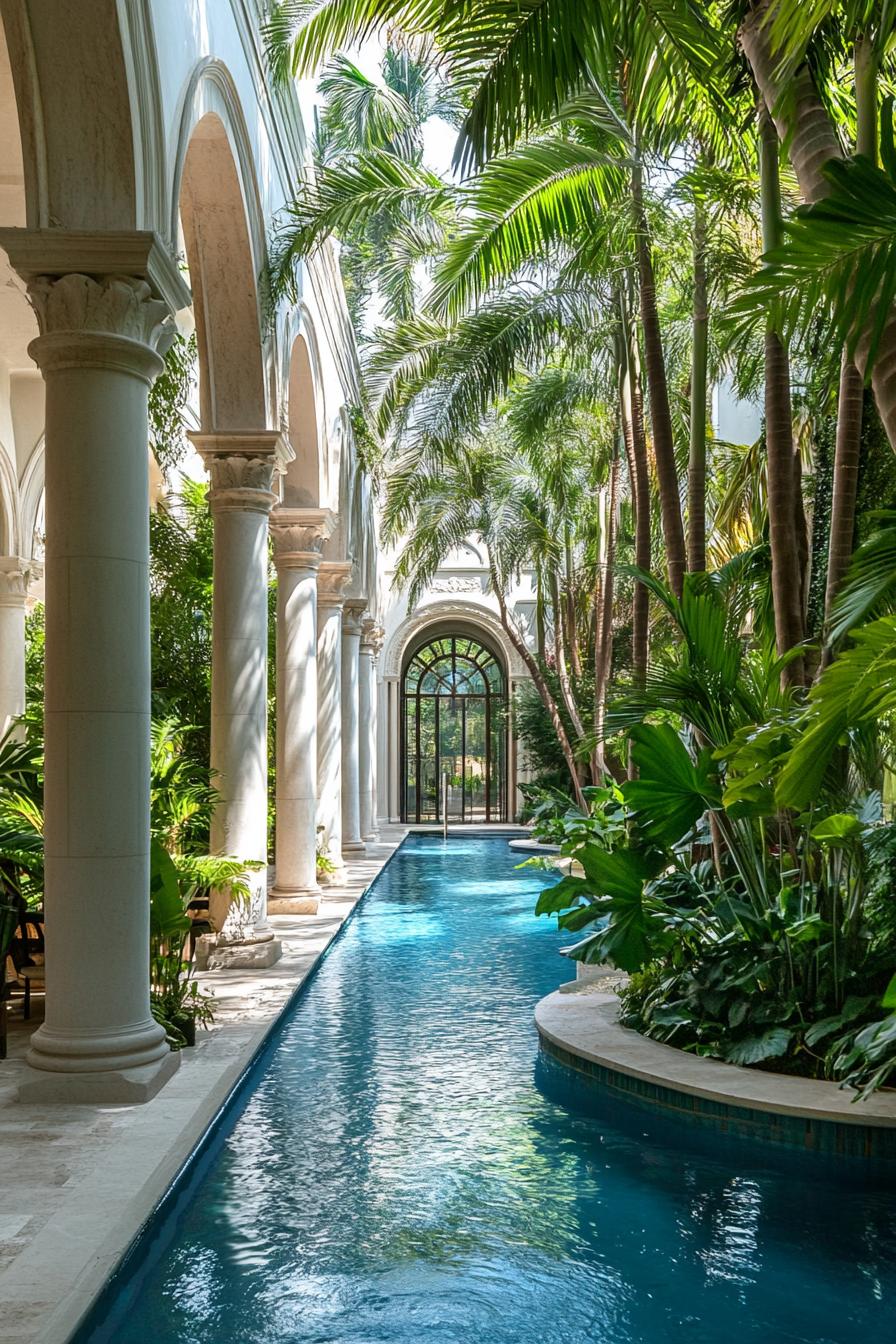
<point x="533" y="847"/>
<point x="582" y="1032"/>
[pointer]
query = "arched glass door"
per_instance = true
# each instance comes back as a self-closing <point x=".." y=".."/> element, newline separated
<point x="454" y="722"/>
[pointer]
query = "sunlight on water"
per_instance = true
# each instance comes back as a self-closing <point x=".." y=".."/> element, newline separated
<point x="398" y="1175"/>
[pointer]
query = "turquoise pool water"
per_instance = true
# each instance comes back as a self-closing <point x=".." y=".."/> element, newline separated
<point x="401" y="1171"/>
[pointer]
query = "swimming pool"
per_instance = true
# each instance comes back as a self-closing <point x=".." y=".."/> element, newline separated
<point x="400" y="1173"/>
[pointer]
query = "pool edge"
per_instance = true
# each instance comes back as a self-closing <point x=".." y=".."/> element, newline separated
<point x="582" y="1034"/>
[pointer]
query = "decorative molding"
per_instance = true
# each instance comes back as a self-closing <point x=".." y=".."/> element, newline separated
<point x="139" y="253"/>
<point x="113" y="305"/>
<point x="332" y="580"/>
<point x="352" y="615"/>
<point x="456" y="584"/>
<point x="16" y="576"/>
<point x="372" y="636"/>
<point x="299" y="535"/>
<point x="446" y="613"/>
<point x="242" y="465"/>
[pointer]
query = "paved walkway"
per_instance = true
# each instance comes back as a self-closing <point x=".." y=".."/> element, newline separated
<point x="77" y="1182"/>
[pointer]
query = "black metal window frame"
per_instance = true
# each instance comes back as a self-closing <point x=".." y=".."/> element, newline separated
<point x="472" y="672"/>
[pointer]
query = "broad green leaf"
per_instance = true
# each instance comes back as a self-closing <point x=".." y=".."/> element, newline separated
<point x="561" y="895"/>
<point x="837" y="828"/>
<point x="672" y="791"/>
<point x="618" y="873"/>
<point x="770" y="1045"/>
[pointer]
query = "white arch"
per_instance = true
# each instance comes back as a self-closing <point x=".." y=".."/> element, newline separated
<point x="445" y="613"/>
<point x="211" y="88"/>
<point x="30" y="494"/>
<point x="10" y="541"/>
<point x="307" y="478"/>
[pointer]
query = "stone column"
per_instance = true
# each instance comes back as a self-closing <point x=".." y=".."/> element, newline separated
<point x="396" y="802"/>
<point x="14" y="578"/>
<point x="298" y="536"/>
<point x="332" y="579"/>
<point x="241" y="467"/>
<point x="101" y="330"/>
<point x="371" y="643"/>
<point x="351" y="726"/>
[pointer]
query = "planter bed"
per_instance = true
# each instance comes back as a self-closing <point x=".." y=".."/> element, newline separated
<point x="581" y="1032"/>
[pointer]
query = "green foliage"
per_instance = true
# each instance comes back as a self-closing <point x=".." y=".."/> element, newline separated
<point x="777" y="952"/>
<point x="180" y="539"/>
<point x="35" y="642"/>
<point x="839" y="257"/>
<point x="536" y="735"/>
<point x="21" y="819"/>
<point x="672" y="790"/>
<point x="857" y="690"/>
<point x="168" y="397"/>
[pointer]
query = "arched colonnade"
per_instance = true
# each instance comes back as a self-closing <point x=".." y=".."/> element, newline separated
<point x="148" y="161"/>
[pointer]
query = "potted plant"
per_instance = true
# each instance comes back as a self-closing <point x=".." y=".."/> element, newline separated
<point x="178" y="1003"/>
<point x="325" y="866"/>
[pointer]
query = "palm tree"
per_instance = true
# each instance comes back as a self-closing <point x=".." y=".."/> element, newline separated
<point x="775" y="36"/>
<point x="477" y="490"/>
<point x="368" y="184"/>
<point x="622" y="79"/>
<point x="781" y="479"/>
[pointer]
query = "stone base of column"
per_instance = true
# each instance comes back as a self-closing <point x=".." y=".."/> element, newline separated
<point x="353" y="848"/>
<point x="372" y="838"/>
<point x="240" y="955"/>
<point x="111" y="1087"/>
<point x="298" y="901"/>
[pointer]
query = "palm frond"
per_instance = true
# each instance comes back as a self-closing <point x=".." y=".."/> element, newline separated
<point x="520" y="206"/>
<point x="343" y="196"/>
<point x="300" y="35"/>
<point x="857" y="689"/>
<point x="869" y="588"/>
<point x="839" y="258"/>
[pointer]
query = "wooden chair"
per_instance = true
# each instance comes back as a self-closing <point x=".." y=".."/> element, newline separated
<point x="27" y="953"/>
<point x="9" y="926"/>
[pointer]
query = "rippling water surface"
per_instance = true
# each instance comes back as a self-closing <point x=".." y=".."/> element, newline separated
<point x="401" y="1174"/>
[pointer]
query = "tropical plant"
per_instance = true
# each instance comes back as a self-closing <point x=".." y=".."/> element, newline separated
<point x="556" y="313"/>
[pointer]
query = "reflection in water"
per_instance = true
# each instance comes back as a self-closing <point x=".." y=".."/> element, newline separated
<point x="399" y="1176"/>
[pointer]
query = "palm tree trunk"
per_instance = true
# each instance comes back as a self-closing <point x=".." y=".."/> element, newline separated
<point x="572" y="642"/>
<point x="786" y="584"/>
<point x="846" y="479"/>
<point x="540" y="636"/>
<point x="658" y="393"/>
<point x="699" y="367"/>
<point x="544" y="690"/>
<point x="603" y="643"/>
<point x="632" y="415"/>
<point x="850" y="399"/>
<point x="569" y="700"/>
<point x="804" y="124"/>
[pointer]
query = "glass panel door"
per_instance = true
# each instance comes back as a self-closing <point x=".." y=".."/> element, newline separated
<point x="454" y="724"/>
<point x="451" y="756"/>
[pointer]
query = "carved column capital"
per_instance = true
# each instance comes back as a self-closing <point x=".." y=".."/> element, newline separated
<point x="111" y="322"/>
<point x="242" y="467"/>
<point x="102" y="300"/>
<point x="332" y="580"/>
<point x="298" y="536"/>
<point x="16" y="576"/>
<point x="372" y="636"/>
<point x="352" y="615"/>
